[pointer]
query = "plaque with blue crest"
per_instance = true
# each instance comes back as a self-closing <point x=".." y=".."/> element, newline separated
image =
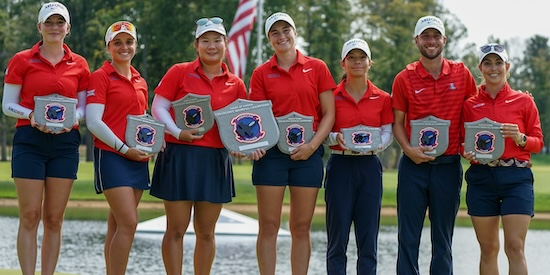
<point x="483" y="138"/>
<point x="295" y="130"/>
<point x="194" y="112"/>
<point x="55" y="111"/>
<point x="432" y="133"/>
<point x="144" y="133"/>
<point x="362" y="138"/>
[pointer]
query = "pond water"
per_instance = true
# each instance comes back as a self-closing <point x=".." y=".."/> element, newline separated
<point x="82" y="251"/>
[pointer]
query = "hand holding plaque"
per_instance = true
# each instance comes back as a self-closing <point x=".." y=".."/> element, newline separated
<point x="483" y="138"/>
<point x="362" y="138"/>
<point x="55" y="112"/>
<point x="144" y="133"/>
<point x="430" y="132"/>
<point x="194" y="112"/>
<point x="246" y="126"/>
<point x="294" y="129"/>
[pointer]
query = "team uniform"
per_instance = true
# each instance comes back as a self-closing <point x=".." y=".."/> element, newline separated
<point x="296" y="90"/>
<point x="436" y="184"/>
<point x="121" y="97"/>
<point x="179" y="172"/>
<point x="37" y="155"/>
<point x="353" y="183"/>
<point x="504" y="186"/>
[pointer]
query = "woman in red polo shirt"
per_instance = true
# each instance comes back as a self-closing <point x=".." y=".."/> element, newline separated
<point x="44" y="163"/>
<point x="116" y="90"/>
<point x="293" y="82"/>
<point x="502" y="190"/>
<point x="194" y="173"/>
<point x="353" y="182"/>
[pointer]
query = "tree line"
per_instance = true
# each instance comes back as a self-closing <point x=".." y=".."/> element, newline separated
<point x="165" y="37"/>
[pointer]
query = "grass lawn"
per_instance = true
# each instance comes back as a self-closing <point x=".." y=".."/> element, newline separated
<point x="84" y="190"/>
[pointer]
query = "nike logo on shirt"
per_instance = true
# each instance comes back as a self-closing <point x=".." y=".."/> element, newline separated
<point x="419" y="91"/>
<point x="509" y="100"/>
<point x="307" y="70"/>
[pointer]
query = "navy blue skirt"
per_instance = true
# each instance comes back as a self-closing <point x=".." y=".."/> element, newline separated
<point x="113" y="170"/>
<point x="193" y="173"/>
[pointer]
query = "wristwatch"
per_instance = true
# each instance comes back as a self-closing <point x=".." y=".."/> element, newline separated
<point x="523" y="140"/>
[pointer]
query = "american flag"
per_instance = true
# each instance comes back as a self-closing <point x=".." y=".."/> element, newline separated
<point x="239" y="36"/>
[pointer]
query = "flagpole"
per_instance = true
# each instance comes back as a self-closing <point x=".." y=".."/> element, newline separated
<point x="260" y="11"/>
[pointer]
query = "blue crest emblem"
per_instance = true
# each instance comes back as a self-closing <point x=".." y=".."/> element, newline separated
<point x="295" y="135"/>
<point x="428" y="137"/>
<point x="145" y="135"/>
<point x="192" y="116"/>
<point x="247" y="127"/>
<point x="361" y="138"/>
<point x="484" y="142"/>
<point x="55" y="112"/>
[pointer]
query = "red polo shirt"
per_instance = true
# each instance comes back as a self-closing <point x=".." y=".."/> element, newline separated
<point x="38" y="77"/>
<point x="184" y="78"/>
<point x="419" y="95"/>
<point x="373" y="109"/>
<point x="121" y="97"/>
<point x="509" y="106"/>
<point x="296" y="90"/>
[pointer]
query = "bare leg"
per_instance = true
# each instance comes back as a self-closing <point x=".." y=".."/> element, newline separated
<point x="270" y="202"/>
<point x="515" y="230"/>
<point x="123" y="202"/>
<point x="204" y="221"/>
<point x="56" y="196"/>
<point x="302" y="206"/>
<point x="178" y="215"/>
<point x="29" y="197"/>
<point x="488" y="238"/>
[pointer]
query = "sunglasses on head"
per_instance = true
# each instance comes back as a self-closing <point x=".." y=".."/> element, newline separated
<point x="123" y="25"/>
<point x="214" y="20"/>
<point x="496" y="47"/>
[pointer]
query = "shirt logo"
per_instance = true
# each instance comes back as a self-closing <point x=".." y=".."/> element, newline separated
<point x="273" y="75"/>
<point x="478" y="105"/>
<point x="229" y="83"/>
<point x="419" y="91"/>
<point x="509" y="100"/>
<point x="70" y="63"/>
<point x="307" y="70"/>
<point x="452" y="87"/>
<point x="374" y="97"/>
<point x="90" y="93"/>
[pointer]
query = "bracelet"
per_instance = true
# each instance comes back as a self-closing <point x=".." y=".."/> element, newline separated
<point x="120" y="148"/>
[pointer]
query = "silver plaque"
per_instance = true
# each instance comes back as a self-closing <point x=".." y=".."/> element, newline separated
<point x="55" y="111"/>
<point x="430" y="132"/>
<point x="484" y="139"/>
<point x="144" y="133"/>
<point x="295" y="129"/>
<point x="362" y="138"/>
<point x="246" y="126"/>
<point x="194" y="112"/>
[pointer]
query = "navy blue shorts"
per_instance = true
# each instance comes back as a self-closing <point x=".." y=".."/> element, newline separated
<point x="278" y="169"/>
<point x="37" y="155"/>
<point x="193" y="173"/>
<point x="113" y="170"/>
<point x="495" y="191"/>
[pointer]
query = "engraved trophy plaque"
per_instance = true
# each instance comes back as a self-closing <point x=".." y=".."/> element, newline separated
<point x="484" y="139"/>
<point x="362" y="138"/>
<point x="246" y="126"/>
<point x="294" y="130"/>
<point x="144" y="133"/>
<point x="194" y="112"/>
<point x="430" y="132"/>
<point x="55" y="111"/>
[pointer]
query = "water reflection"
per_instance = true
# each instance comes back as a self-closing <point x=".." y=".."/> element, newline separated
<point x="82" y="252"/>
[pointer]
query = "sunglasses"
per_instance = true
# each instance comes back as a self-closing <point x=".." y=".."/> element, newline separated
<point x="123" y="26"/>
<point x="494" y="47"/>
<point x="214" y="20"/>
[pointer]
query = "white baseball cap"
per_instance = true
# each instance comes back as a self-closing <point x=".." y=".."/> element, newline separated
<point x="118" y="27"/>
<point x="213" y="24"/>
<point x="493" y="48"/>
<point x="278" y="16"/>
<point x="355" y="43"/>
<point x="51" y="8"/>
<point x="429" y="22"/>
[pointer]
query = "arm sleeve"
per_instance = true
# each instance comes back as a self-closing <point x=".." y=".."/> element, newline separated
<point x="330" y="140"/>
<point x="94" y="114"/>
<point x="386" y="135"/>
<point x="10" y="102"/>
<point x="159" y="109"/>
<point x="81" y="105"/>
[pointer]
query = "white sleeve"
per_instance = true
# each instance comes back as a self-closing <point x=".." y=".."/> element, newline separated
<point x="160" y="110"/>
<point x="94" y="122"/>
<point x="81" y="105"/>
<point x="386" y="135"/>
<point x="11" y="100"/>
<point x="331" y="140"/>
